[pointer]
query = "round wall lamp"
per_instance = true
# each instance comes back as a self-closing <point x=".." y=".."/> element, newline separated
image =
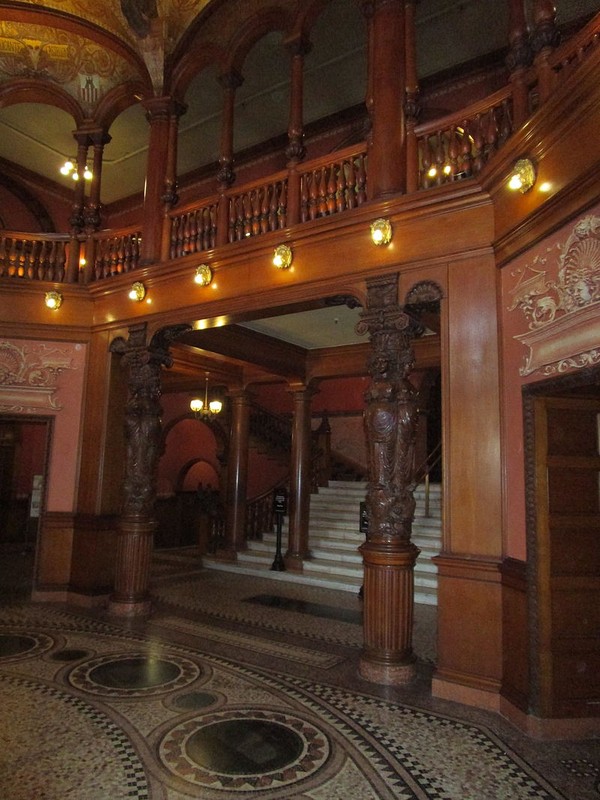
<point x="381" y="231"/>
<point x="204" y="275"/>
<point x="282" y="256"/>
<point x="53" y="300"/>
<point x="137" y="291"/>
<point x="523" y="176"/>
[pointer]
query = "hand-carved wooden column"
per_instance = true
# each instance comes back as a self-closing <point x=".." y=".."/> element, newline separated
<point x="544" y="39"/>
<point x="387" y="156"/>
<point x="143" y="437"/>
<point x="226" y="176"/>
<point x="295" y="150"/>
<point x="518" y="60"/>
<point x="159" y="110"/>
<point x="170" y="198"/>
<point x="237" y="476"/>
<point x="300" y="480"/>
<point x="391" y="418"/>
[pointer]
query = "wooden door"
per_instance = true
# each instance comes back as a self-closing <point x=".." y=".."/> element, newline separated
<point x="567" y="492"/>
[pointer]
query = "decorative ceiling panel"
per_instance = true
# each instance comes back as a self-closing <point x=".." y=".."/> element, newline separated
<point x="80" y="66"/>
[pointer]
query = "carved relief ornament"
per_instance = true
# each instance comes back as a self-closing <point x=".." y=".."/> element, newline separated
<point x="563" y="314"/>
<point x="28" y="376"/>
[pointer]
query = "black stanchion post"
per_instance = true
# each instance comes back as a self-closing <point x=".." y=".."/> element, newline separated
<point x="280" y="510"/>
<point x="363" y="526"/>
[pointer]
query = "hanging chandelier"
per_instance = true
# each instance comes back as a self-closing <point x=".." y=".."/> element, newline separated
<point x="204" y="409"/>
<point x="70" y="168"/>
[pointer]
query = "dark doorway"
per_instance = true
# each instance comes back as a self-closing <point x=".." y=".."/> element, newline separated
<point x="562" y="419"/>
<point x="24" y="444"/>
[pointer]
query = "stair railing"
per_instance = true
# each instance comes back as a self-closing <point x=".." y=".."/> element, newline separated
<point x="423" y="473"/>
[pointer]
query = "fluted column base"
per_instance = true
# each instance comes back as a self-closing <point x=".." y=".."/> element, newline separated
<point x="132" y="569"/>
<point x="388" y="595"/>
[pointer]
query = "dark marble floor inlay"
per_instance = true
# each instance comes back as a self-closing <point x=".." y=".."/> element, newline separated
<point x="249" y="750"/>
<point x="14" y="644"/>
<point x="134" y="674"/>
<point x="70" y="654"/>
<point x="193" y="701"/>
<point x="17" y="646"/>
<point x="303" y="607"/>
<point x="244" y="746"/>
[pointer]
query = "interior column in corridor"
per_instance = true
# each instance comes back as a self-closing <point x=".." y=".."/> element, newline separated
<point x="237" y="476"/>
<point x="143" y="440"/>
<point x="391" y="416"/>
<point x="159" y="113"/>
<point x="385" y="96"/>
<point x="300" y="479"/>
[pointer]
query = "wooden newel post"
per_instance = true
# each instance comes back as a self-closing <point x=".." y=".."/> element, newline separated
<point x="544" y="39"/>
<point x="389" y="556"/>
<point x="518" y="60"/>
<point x="143" y="438"/>
<point x="295" y="151"/>
<point x="230" y="82"/>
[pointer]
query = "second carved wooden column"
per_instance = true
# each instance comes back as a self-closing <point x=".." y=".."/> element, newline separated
<point x="389" y="556"/>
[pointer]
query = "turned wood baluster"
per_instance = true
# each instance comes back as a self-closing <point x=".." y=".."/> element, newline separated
<point x="232" y="208"/>
<point x="313" y="207"/>
<point x="304" y="196"/>
<point x="61" y="260"/>
<point x="254" y="200"/>
<point x="440" y="158"/>
<point x="361" y="180"/>
<point x="273" y="205"/>
<point x="239" y="225"/>
<point x="121" y="254"/>
<point x="3" y="268"/>
<point x="425" y="162"/>
<point x="173" y="243"/>
<point x="491" y="134"/>
<point x="466" y="154"/>
<point x="267" y="193"/>
<point x="340" y="197"/>
<point x="282" y="212"/>
<point x="453" y="153"/>
<point x="506" y="127"/>
<point x="332" y="187"/>
<point x="478" y="142"/>
<point x="193" y="232"/>
<point x="322" y="193"/>
<point x="12" y="258"/>
<point x="247" y="204"/>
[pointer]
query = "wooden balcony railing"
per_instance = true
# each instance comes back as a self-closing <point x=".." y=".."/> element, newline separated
<point x="459" y="145"/>
<point x="453" y="148"/>
<point x="41" y="257"/>
<point x="112" y="252"/>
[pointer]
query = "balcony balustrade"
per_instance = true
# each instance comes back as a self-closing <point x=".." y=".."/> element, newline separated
<point x="453" y="148"/>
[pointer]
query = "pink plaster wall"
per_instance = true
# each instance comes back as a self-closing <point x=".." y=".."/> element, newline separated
<point x="543" y="258"/>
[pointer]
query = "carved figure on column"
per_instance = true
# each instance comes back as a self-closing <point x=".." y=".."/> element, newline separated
<point x="142" y="413"/>
<point x="391" y="415"/>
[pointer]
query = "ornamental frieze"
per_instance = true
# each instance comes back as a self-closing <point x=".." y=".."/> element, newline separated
<point x="29" y="375"/>
<point x="559" y="295"/>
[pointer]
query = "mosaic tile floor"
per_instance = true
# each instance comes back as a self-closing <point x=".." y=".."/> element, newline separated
<point x="225" y="692"/>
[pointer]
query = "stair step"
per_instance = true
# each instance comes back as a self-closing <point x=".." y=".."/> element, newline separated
<point x="334" y="541"/>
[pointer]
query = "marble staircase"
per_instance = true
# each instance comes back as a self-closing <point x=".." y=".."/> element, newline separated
<point x="334" y="539"/>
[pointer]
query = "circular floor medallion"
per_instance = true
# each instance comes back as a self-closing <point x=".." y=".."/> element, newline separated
<point x="194" y="701"/>
<point x="15" y="646"/>
<point x="134" y="674"/>
<point x="244" y="750"/>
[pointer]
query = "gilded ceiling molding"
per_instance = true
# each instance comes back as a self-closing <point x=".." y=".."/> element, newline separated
<point x="29" y="375"/>
<point x="563" y="313"/>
